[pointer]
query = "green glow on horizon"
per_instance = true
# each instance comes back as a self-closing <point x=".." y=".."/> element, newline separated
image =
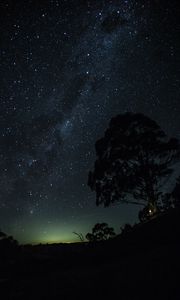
<point x="37" y="232"/>
<point x="38" y="229"/>
<point x="51" y="238"/>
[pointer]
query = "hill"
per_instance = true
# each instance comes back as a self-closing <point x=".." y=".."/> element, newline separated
<point x="140" y="264"/>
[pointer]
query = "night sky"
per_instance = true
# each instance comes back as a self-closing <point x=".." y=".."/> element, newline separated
<point x="66" y="68"/>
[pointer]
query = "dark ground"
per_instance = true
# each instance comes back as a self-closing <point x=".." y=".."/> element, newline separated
<point x="141" y="264"/>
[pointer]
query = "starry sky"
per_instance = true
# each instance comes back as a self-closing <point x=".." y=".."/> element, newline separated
<point x="66" y="68"/>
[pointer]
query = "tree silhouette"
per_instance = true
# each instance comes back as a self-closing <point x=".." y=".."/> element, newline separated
<point x="2" y="235"/>
<point x="100" y="232"/>
<point x="134" y="160"/>
<point x="8" y="245"/>
<point x="172" y="199"/>
<point x="167" y="202"/>
<point x="80" y="236"/>
<point x="126" y="228"/>
<point x="176" y="193"/>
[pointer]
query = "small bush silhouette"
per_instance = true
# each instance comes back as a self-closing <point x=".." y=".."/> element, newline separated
<point x="126" y="228"/>
<point x="8" y="244"/>
<point x="100" y="232"/>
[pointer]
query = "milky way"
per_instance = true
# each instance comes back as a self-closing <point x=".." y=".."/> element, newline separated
<point x="66" y="68"/>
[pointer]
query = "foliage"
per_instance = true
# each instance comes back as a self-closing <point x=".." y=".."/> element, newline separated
<point x="126" y="228"/>
<point x="7" y="240"/>
<point x="2" y="235"/>
<point x="148" y="212"/>
<point x="100" y="232"/>
<point x="172" y="200"/>
<point x="134" y="161"/>
<point x="167" y="202"/>
<point x="80" y="236"/>
<point x="8" y="245"/>
<point x="176" y="193"/>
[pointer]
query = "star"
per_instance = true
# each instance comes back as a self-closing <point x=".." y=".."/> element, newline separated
<point x="66" y="69"/>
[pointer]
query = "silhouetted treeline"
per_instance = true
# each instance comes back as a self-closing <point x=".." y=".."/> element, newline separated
<point x="135" y="160"/>
<point x="8" y="246"/>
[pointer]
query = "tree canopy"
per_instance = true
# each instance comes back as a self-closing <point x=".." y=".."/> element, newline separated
<point x="134" y="160"/>
<point x="176" y="193"/>
<point x="100" y="232"/>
